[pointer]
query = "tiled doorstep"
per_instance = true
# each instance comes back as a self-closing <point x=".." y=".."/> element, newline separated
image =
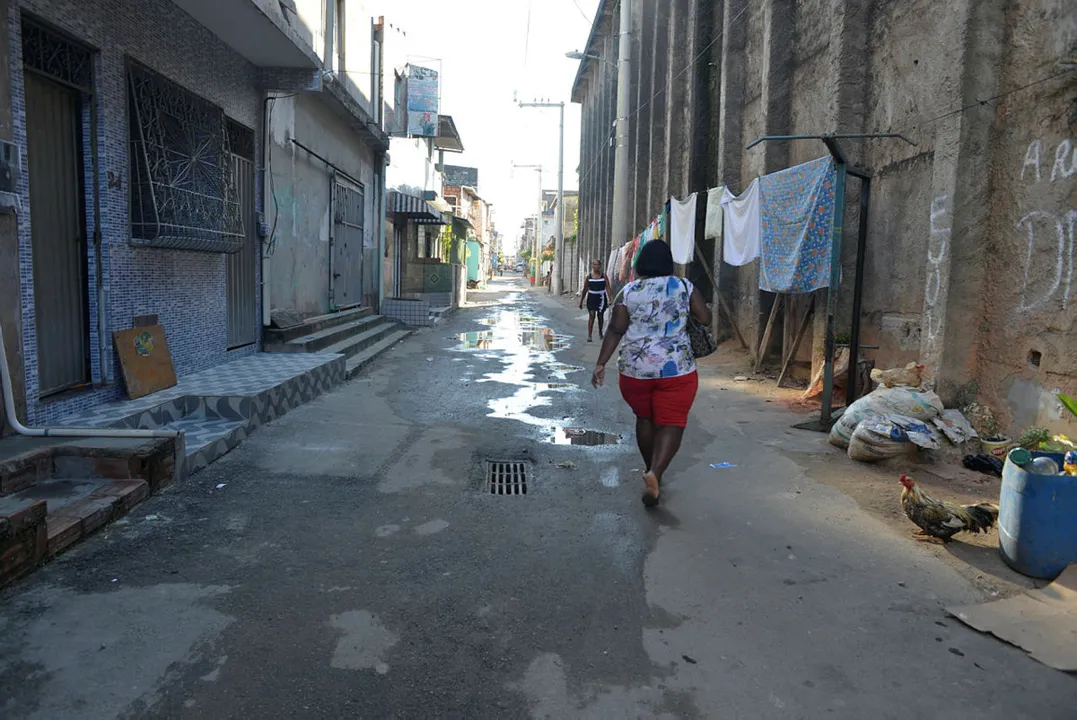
<point x="209" y="438"/>
<point x="245" y="377"/>
<point x="218" y="408"/>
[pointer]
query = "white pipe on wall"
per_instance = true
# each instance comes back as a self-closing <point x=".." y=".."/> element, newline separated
<point x="18" y="427"/>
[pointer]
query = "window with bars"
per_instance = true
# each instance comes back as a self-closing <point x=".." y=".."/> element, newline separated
<point x="183" y="184"/>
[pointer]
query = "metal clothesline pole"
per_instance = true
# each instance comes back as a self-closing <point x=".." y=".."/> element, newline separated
<point x="843" y="168"/>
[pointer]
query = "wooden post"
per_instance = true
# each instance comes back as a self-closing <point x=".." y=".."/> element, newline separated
<point x="796" y="342"/>
<point x="721" y="300"/>
<point x="766" y="333"/>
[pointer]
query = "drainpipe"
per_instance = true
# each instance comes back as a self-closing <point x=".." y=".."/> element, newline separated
<point x="267" y="202"/>
<point x="332" y="240"/>
<point x="381" y="235"/>
<point x="99" y="273"/>
<point x="18" y="427"/>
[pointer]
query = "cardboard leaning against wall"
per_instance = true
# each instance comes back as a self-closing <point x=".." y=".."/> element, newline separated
<point x="145" y="360"/>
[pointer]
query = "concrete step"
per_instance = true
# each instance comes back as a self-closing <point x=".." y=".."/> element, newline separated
<point x="354" y="345"/>
<point x="208" y="439"/>
<point x="44" y="520"/>
<point x="437" y="314"/>
<point x="324" y="339"/>
<point x="281" y="336"/>
<point x="356" y="363"/>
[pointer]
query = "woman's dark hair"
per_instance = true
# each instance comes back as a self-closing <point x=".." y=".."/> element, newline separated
<point x="655" y="260"/>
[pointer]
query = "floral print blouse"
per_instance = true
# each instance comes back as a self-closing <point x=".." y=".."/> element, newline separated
<point x="656" y="344"/>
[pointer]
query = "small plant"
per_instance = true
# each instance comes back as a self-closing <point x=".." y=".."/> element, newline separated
<point x="1034" y="437"/>
<point x="983" y="420"/>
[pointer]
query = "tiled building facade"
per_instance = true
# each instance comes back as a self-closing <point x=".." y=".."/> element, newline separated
<point x="185" y="289"/>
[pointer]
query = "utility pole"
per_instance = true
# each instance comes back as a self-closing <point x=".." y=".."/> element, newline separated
<point x="535" y="252"/>
<point x="619" y="225"/>
<point x="559" y="219"/>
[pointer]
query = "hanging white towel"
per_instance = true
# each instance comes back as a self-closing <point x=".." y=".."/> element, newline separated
<point x="712" y="230"/>
<point x="740" y="242"/>
<point x="682" y="228"/>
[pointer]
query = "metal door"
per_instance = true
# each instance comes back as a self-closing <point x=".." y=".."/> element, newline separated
<point x="348" y="244"/>
<point x="242" y="290"/>
<point x="58" y="234"/>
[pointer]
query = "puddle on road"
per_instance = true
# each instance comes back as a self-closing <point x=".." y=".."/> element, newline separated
<point x="580" y="436"/>
<point x="525" y="347"/>
<point x="537" y="339"/>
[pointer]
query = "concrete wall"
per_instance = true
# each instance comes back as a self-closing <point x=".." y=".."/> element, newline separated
<point x="185" y="289"/>
<point x="1029" y="297"/>
<point x="300" y="199"/>
<point x="970" y="243"/>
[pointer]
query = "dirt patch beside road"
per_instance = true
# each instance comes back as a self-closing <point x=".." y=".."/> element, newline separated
<point x="874" y="486"/>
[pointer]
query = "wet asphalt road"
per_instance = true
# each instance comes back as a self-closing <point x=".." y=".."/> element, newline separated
<point x="353" y="566"/>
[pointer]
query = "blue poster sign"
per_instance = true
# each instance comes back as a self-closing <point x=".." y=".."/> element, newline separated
<point x="422" y="102"/>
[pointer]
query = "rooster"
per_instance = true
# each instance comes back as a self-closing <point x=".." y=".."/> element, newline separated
<point x="942" y="520"/>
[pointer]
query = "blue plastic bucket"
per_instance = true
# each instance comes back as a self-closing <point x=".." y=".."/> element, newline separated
<point x="1037" y="524"/>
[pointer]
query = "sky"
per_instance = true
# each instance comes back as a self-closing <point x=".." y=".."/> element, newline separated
<point x="491" y="51"/>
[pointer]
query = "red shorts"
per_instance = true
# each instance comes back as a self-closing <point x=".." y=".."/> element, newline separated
<point x="664" y="401"/>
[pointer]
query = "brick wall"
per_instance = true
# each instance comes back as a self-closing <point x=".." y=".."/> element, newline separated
<point x="187" y="290"/>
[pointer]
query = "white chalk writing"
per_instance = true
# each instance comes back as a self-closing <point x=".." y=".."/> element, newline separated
<point x="937" y="250"/>
<point x="1063" y="153"/>
<point x="1047" y="231"/>
<point x="1032" y="157"/>
<point x="1063" y="167"/>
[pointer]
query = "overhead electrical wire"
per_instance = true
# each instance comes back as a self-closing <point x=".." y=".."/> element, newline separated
<point x="582" y="13"/>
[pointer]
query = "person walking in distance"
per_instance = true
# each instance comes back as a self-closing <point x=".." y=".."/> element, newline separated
<point x="596" y="290"/>
<point x="657" y="368"/>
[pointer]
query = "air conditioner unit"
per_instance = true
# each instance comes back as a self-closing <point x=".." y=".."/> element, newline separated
<point x="10" y="166"/>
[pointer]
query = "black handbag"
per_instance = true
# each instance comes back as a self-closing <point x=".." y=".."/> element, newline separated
<point x="699" y="335"/>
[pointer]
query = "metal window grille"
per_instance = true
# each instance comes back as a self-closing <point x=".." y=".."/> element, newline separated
<point x="50" y="53"/>
<point x="183" y="183"/>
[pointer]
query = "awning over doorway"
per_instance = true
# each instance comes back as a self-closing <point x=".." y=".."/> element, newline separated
<point x="413" y="208"/>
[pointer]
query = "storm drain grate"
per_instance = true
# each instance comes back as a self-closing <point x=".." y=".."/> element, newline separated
<point x="507" y="477"/>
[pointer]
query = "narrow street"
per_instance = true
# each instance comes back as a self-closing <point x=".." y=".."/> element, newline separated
<point x="345" y="561"/>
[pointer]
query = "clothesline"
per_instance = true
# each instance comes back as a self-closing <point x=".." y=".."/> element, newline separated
<point x="784" y="219"/>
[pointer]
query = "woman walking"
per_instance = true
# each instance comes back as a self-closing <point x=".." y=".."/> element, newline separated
<point x="658" y="376"/>
<point x="596" y="288"/>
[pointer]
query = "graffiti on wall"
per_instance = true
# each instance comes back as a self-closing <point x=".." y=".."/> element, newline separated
<point x="1048" y="234"/>
<point x="938" y="250"/>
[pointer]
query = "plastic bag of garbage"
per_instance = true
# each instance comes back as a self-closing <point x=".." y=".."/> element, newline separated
<point x="881" y="437"/>
<point x="914" y="403"/>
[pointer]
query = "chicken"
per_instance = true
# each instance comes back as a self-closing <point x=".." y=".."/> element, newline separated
<point x="942" y="520"/>
<point x="908" y="376"/>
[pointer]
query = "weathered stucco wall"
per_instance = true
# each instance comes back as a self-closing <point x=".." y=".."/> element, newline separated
<point x="1028" y="327"/>
<point x="299" y="200"/>
<point x="970" y="238"/>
